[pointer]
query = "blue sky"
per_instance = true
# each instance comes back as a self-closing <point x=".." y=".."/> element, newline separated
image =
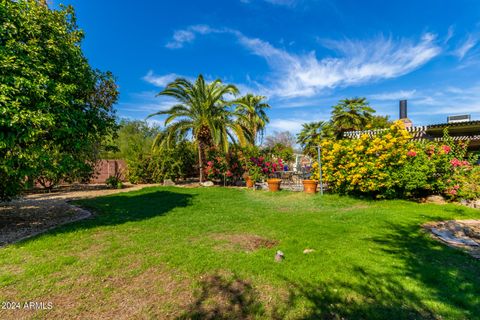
<point x="304" y="55"/>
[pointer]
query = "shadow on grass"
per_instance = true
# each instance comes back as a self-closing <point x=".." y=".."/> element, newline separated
<point x="223" y="298"/>
<point x="428" y="280"/>
<point x="451" y="276"/>
<point x="124" y="207"/>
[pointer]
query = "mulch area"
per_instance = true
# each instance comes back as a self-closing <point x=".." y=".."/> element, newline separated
<point x="39" y="212"/>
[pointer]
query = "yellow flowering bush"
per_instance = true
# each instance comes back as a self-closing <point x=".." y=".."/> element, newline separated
<point x="365" y="165"/>
<point x="391" y="165"/>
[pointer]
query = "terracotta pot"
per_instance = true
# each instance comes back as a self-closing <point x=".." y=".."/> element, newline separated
<point x="274" y="184"/>
<point x="310" y="186"/>
<point x="250" y="183"/>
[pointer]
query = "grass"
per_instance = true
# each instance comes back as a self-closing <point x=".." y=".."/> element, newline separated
<point x="169" y="252"/>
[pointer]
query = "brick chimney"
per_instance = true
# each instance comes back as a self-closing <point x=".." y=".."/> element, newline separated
<point x="403" y="114"/>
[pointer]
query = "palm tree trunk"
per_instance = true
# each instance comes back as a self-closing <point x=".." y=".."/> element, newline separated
<point x="200" y="160"/>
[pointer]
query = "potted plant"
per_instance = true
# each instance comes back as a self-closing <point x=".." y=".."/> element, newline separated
<point x="310" y="185"/>
<point x="252" y="175"/>
<point x="270" y="168"/>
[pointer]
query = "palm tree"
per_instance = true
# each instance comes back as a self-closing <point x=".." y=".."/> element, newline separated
<point x="351" y="114"/>
<point x="251" y="114"/>
<point x="202" y="113"/>
<point x="312" y="133"/>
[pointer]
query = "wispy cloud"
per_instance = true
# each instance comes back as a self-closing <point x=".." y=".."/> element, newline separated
<point x="188" y="35"/>
<point x="144" y="103"/>
<point x="288" y="3"/>
<point x="160" y="81"/>
<point x="448" y="101"/>
<point x="354" y="61"/>
<point x="357" y="62"/>
<point x="394" y="95"/>
<point x="468" y="44"/>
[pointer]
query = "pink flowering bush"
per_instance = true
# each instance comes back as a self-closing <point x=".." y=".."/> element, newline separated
<point x="439" y="168"/>
<point x="224" y="167"/>
<point x="261" y="168"/>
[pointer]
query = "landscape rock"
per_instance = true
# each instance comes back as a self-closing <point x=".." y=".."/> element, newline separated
<point x="464" y="234"/>
<point x="207" y="184"/>
<point x="435" y="199"/>
<point x="471" y="203"/>
<point x="279" y="256"/>
<point x="168" y="182"/>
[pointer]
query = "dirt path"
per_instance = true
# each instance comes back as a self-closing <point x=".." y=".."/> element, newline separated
<point x="37" y="213"/>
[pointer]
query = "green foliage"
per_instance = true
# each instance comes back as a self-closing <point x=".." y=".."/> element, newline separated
<point x="151" y="165"/>
<point x="224" y="167"/>
<point x="279" y="150"/>
<point x="391" y="165"/>
<point x="114" y="182"/>
<point x="203" y="113"/>
<point x="379" y="122"/>
<point x="312" y="134"/>
<point x="55" y="108"/>
<point x="250" y="112"/>
<point x="351" y="114"/>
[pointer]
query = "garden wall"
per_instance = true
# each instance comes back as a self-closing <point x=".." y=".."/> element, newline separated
<point x="107" y="168"/>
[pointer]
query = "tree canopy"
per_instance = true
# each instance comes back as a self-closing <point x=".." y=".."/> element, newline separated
<point x="351" y="114"/>
<point x="202" y="112"/>
<point x="55" y="107"/>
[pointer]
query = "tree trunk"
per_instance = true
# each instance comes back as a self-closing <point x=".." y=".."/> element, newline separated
<point x="200" y="161"/>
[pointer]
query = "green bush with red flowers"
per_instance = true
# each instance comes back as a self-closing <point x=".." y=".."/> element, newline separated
<point x="224" y="167"/>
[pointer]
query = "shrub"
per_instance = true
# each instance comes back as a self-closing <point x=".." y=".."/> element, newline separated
<point x="114" y="182"/>
<point x="391" y="165"/>
<point x="221" y="166"/>
<point x="365" y="165"/>
<point x="176" y="162"/>
<point x="261" y="168"/>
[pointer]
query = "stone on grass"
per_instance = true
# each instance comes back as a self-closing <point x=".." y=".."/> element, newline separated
<point x="279" y="256"/>
<point x="435" y="199"/>
<point x="207" y="184"/>
<point x="168" y="182"/>
<point x="307" y="251"/>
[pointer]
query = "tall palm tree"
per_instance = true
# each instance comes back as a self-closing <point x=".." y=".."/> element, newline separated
<point x="351" y="114"/>
<point x="202" y="113"/>
<point x="251" y="114"/>
<point x="312" y="133"/>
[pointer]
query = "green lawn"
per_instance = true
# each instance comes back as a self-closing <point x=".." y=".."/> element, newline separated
<point x="180" y="253"/>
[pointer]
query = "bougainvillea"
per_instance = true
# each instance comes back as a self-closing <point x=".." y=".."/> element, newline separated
<point x="261" y="168"/>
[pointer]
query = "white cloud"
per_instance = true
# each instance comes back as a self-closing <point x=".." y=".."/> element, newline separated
<point x="466" y="46"/>
<point x="395" y="95"/>
<point x="288" y="3"/>
<point x="448" y="101"/>
<point x="188" y="35"/>
<point x="179" y="38"/>
<point x="292" y="125"/>
<point x="145" y="103"/>
<point x="356" y="62"/>
<point x="160" y="81"/>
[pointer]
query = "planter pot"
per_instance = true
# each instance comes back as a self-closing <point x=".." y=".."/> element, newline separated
<point x="274" y="184"/>
<point x="250" y="183"/>
<point x="310" y="186"/>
